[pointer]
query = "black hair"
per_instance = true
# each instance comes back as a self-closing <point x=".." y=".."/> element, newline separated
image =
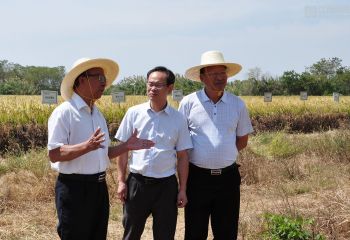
<point x="170" y="75"/>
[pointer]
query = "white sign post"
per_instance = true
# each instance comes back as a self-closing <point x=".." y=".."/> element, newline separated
<point x="268" y="97"/>
<point x="118" y="97"/>
<point x="336" y="97"/>
<point x="48" y="97"/>
<point x="303" y="96"/>
<point x="177" y="95"/>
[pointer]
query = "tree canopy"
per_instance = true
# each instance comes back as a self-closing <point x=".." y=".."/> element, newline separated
<point x="321" y="78"/>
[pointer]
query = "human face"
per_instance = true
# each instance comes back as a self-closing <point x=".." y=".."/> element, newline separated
<point x="157" y="88"/>
<point x="94" y="83"/>
<point x="214" y="78"/>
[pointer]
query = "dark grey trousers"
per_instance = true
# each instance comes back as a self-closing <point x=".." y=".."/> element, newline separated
<point x="148" y="196"/>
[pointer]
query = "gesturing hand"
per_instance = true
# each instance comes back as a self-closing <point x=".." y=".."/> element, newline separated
<point x="134" y="143"/>
<point x="94" y="142"/>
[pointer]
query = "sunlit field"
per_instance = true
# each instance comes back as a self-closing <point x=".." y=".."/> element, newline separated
<point x="28" y="109"/>
<point x="287" y="172"/>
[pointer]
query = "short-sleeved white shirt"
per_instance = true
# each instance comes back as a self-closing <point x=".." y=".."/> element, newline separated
<point x="169" y="131"/>
<point x="214" y="128"/>
<point x="72" y="123"/>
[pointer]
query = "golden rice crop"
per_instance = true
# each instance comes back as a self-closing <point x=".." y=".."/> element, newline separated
<point x="28" y="109"/>
<point x="292" y="105"/>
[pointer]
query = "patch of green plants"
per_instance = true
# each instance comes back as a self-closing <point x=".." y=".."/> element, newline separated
<point x="275" y="145"/>
<point x="36" y="162"/>
<point x="281" y="227"/>
<point x="3" y="169"/>
<point x="116" y="212"/>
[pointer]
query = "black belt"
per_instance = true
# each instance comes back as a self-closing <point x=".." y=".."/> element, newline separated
<point x="214" y="172"/>
<point x="98" y="177"/>
<point x="149" y="180"/>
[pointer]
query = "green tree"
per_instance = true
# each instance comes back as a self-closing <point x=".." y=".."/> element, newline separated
<point x="292" y="83"/>
<point x="187" y="86"/>
<point x="135" y="85"/>
<point x="326" y="67"/>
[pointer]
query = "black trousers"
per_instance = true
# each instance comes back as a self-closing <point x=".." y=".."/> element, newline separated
<point x="82" y="208"/>
<point x="212" y="196"/>
<point x="150" y="196"/>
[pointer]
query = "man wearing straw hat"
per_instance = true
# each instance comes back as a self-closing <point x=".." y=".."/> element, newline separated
<point x="78" y="144"/>
<point x="151" y="186"/>
<point x="219" y="125"/>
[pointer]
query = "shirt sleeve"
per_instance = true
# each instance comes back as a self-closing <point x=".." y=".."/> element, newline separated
<point x="125" y="129"/>
<point x="184" y="139"/>
<point x="58" y="130"/>
<point x="182" y="108"/>
<point x="244" y="125"/>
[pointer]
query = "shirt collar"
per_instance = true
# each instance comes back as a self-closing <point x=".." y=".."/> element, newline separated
<point x="166" y="109"/>
<point x="80" y="103"/>
<point x="204" y="98"/>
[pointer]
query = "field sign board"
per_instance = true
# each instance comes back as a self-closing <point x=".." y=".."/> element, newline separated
<point x="177" y="95"/>
<point x="336" y="97"/>
<point x="268" y="97"/>
<point x="303" y="96"/>
<point x="118" y="97"/>
<point x="48" y="97"/>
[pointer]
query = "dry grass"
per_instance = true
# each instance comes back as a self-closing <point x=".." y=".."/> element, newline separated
<point x="305" y="175"/>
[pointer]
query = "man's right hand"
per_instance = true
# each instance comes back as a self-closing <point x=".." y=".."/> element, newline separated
<point x="94" y="142"/>
<point x="135" y="143"/>
<point x="122" y="191"/>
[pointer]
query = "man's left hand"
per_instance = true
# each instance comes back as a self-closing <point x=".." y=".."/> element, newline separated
<point x="181" y="199"/>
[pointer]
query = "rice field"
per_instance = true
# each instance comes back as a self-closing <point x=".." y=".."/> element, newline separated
<point x="292" y="174"/>
<point x="28" y="109"/>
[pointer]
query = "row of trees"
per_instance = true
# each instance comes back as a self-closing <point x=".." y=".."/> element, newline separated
<point x="28" y="80"/>
<point x="322" y="78"/>
<point x="136" y="85"/>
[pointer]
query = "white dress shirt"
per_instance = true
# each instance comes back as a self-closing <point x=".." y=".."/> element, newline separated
<point x="72" y="123"/>
<point x="169" y="131"/>
<point x="214" y="128"/>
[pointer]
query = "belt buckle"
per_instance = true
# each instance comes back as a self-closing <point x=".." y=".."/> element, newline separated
<point x="101" y="177"/>
<point x="215" y="172"/>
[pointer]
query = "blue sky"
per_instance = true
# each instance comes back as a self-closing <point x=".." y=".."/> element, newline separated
<point x="275" y="36"/>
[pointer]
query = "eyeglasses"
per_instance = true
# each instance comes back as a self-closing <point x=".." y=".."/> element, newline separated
<point x="216" y="74"/>
<point x="101" y="78"/>
<point x="157" y="86"/>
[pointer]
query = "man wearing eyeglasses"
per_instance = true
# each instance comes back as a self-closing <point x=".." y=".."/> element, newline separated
<point x="151" y="186"/>
<point x="78" y="144"/>
<point x="219" y="126"/>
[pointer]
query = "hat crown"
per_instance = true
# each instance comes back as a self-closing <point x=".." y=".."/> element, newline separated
<point x="80" y="61"/>
<point x="212" y="57"/>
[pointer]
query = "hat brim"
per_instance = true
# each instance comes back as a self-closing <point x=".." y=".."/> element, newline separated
<point x="110" y="69"/>
<point x="194" y="72"/>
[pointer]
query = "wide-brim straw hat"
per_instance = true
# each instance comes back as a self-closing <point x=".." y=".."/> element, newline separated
<point x="110" y="69"/>
<point x="212" y="58"/>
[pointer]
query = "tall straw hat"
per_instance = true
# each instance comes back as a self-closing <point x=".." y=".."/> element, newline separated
<point x="212" y="58"/>
<point x="110" y="69"/>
